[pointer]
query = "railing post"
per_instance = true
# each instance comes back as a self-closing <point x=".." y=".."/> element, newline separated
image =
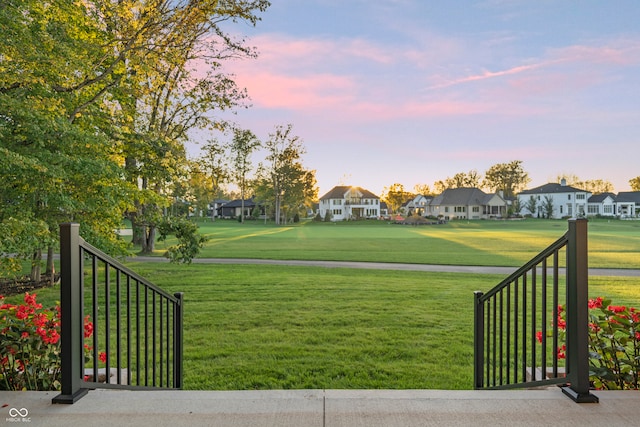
<point x="71" y="323"/>
<point x="178" y="344"/>
<point x="478" y="341"/>
<point x="578" y="314"/>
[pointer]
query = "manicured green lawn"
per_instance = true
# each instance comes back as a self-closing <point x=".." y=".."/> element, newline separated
<point x="614" y="244"/>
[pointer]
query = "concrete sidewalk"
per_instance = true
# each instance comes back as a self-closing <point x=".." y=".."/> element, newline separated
<point x="322" y="408"/>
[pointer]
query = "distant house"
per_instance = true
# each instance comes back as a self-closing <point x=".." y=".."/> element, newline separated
<point x="346" y="203"/>
<point x="628" y="204"/>
<point x="603" y="204"/>
<point x="418" y="205"/>
<point x="566" y="201"/>
<point x="233" y="209"/>
<point x="213" y="207"/>
<point x="467" y="203"/>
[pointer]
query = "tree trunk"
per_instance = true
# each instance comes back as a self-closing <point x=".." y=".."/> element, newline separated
<point x="149" y="238"/>
<point x="35" y="265"/>
<point x="51" y="268"/>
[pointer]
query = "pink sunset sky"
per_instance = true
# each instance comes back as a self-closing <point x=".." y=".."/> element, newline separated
<point x="414" y="91"/>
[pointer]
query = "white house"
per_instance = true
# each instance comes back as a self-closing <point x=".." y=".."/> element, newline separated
<point x="603" y="204"/>
<point x="564" y="201"/>
<point x="628" y="204"/>
<point x="418" y="206"/>
<point x="467" y="203"/>
<point x="346" y="202"/>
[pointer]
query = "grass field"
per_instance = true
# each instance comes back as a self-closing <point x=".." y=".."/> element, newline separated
<point x="614" y="244"/>
<point x="277" y="327"/>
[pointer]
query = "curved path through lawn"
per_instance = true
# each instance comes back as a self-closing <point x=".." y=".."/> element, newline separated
<point x="384" y="266"/>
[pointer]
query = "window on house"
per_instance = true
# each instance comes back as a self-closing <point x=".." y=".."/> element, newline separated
<point x="608" y="209"/>
<point x="476" y="209"/>
<point x="569" y="196"/>
<point x="580" y="196"/>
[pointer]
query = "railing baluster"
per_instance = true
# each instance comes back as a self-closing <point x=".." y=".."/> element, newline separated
<point x="543" y="320"/>
<point x="153" y="338"/>
<point x="107" y="321"/>
<point x="534" y="314"/>
<point x="516" y="316"/>
<point x="95" y="320"/>
<point x="118" y="329"/>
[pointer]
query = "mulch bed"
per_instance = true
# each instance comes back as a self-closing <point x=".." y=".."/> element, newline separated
<point x="21" y="285"/>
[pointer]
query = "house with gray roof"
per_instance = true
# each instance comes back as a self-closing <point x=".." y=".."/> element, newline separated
<point x="564" y="201"/>
<point x="628" y="204"/>
<point x="603" y="204"/>
<point x="344" y="202"/>
<point x="467" y="203"/>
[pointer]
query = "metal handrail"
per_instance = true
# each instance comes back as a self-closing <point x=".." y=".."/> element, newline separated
<point x="137" y="326"/>
<point x="517" y="332"/>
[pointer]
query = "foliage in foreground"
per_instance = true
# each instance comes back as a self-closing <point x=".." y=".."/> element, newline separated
<point x="30" y="345"/>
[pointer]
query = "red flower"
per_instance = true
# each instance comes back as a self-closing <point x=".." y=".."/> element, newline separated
<point x="539" y="336"/>
<point x="561" y="352"/>
<point x="88" y="327"/>
<point x="103" y="357"/>
<point x="595" y="303"/>
<point x="25" y="335"/>
<point x="562" y="324"/>
<point x="617" y="308"/>
<point x="638" y="336"/>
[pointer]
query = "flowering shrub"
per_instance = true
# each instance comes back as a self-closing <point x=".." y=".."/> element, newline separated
<point x="30" y="345"/>
<point x="614" y="345"/>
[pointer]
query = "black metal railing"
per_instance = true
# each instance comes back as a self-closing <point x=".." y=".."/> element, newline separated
<point x="118" y="330"/>
<point x="521" y="337"/>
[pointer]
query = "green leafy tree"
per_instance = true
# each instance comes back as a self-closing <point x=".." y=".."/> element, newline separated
<point x="510" y="178"/>
<point x="395" y="196"/>
<point x="292" y="188"/>
<point x="532" y="205"/>
<point x="243" y="144"/>
<point x="547" y="206"/>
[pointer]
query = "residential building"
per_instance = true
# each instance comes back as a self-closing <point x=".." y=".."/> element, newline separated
<point x="603" y="204"/>
<point x="213" y="207"/>
<point x="467" y="203"/>
<point x="561" y="199"/>
<point x="346" y="203"/>
<point x="628" y="204"/>
<point x="233" y="209"/>
<point x="418" y="205"/>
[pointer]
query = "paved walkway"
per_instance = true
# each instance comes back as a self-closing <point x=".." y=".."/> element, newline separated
<point x="384" y="266"/>
<point x="322" y="408"/>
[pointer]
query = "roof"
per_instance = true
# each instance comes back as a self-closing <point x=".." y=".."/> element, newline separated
<point x="628" y="197"/>
<point x="553" y="187"/>
<point x="462" y="197"/>
<point x="237" y="203"/>
<point x="339" y="191"/>
<point x="599" y="198"/>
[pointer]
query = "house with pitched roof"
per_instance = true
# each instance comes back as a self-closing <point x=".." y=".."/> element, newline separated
<point x="233" y="209"/>
<point x="467" y="203"/>
<point x="345" y="203"/>
<point x="603" y="204"/>
<point x="628" y="204"/>
<point x="417" y="205"/>
<point x="564" y="200"/>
